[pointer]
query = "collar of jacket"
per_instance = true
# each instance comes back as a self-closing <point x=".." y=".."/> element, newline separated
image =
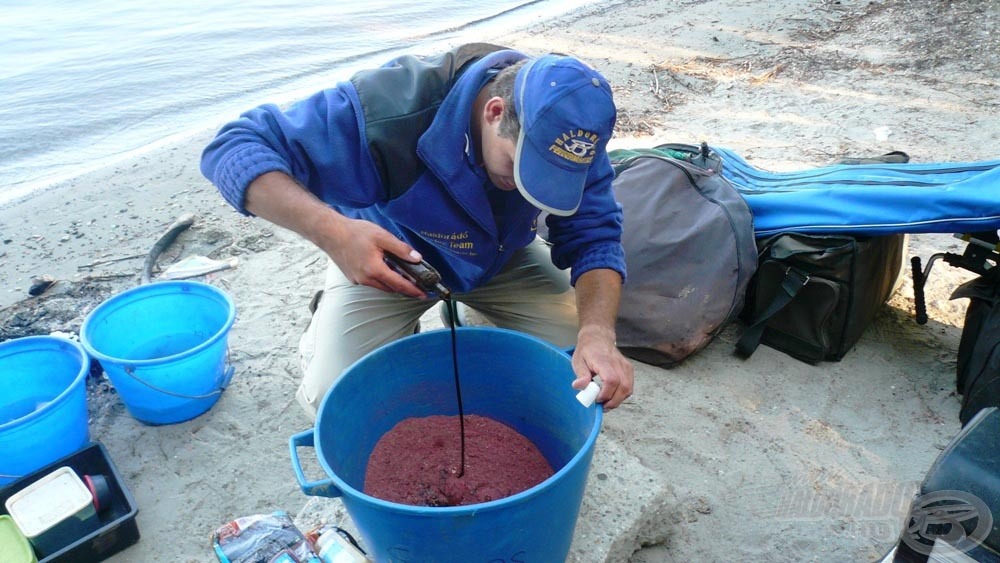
<point x="440" y="147"/>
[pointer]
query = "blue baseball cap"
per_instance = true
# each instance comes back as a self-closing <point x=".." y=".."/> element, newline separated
<point x="567" y="116"/>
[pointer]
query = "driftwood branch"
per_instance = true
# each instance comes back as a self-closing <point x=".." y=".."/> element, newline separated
<point x="164" y="242"/>
<point x="97" y="263"/>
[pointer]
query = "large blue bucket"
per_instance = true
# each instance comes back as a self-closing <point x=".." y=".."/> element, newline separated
<point x="43" y="405"/>
<point x="511" y="377"/>
<point x="163" y="346"/>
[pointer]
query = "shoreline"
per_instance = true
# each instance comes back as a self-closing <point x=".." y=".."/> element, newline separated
<point x="298" y="87"/>
<point x="724" y="443"/>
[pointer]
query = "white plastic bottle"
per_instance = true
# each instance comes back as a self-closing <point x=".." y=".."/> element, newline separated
<point x="334" y="548"/>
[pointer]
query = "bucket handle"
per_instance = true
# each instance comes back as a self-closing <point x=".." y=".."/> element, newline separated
<point x="323" y="488"/>
<point x="226" y="378"/>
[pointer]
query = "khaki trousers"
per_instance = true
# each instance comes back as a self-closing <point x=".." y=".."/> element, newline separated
<point x="529" y="295"/>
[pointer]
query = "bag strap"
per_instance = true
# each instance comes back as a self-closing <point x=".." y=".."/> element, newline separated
<point x="791" y="284"/>
<point x="701" y="155"/>
<point x="894" y="157"/>
<point x="622" y="159"/>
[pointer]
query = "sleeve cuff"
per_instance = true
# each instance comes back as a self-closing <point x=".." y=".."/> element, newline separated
<point x="243" y="167"/>
<point x="609" y="256"/>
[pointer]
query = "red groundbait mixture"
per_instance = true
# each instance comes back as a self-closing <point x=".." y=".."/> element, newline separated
<point x="417" y="462"/>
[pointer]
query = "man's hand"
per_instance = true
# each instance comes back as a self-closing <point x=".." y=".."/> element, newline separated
<point x="596" y="354"/>
<point x="356" y="246"/>
<point x="359" y="254"/>
<point x="597" y="296"/>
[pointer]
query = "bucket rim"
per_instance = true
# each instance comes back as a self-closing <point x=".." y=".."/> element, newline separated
<point x="49" y="342"/>
<point x="517" y="498"/>
<point x="159" y="287"/>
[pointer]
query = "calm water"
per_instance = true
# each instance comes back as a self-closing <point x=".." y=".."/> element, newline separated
<point x="83" y="82"/>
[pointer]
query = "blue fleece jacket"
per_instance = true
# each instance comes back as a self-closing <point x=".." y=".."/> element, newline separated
<point x="461" y="224"/>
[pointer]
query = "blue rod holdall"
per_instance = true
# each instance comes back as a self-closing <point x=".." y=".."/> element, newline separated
<point x="869" y="199"/>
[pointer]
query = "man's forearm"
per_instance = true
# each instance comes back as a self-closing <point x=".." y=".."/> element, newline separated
<point x="276" y="197"/>
<point x="597" y="297"/>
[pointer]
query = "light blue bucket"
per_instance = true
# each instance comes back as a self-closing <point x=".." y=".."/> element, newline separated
<point x="163" y="346"/>
<point x="508" y="376"/>
<point x="43" y="405"/>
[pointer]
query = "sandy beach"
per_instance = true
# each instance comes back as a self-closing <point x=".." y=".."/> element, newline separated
<point x="764" y="459"/>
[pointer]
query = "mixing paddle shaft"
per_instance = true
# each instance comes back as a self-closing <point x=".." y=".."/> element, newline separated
<point x="452" y="316"/>
<point x="424" y="276"/>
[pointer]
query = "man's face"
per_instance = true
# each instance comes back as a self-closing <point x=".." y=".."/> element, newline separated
<point x="497" y="152"/>
<point x="498" y="159"/>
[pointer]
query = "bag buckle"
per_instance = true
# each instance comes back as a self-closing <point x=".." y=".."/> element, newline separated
<point x="800" y="276"/>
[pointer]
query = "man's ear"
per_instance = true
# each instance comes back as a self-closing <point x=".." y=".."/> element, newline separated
<point x="493" y="110"/>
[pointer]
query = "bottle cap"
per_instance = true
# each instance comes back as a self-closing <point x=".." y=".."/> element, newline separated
<point x="101" y="491"/>
<point x="589" y="394"/>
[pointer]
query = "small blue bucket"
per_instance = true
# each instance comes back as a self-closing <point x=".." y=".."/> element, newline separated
<point x="163" y="346"/>
<point x="508" y="376"/>
<point x="43" y="406"/>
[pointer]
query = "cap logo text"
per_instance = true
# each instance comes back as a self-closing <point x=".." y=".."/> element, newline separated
<point x="575" y="146"/>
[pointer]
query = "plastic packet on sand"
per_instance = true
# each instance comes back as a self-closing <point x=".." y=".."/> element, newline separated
<point x="262" y="538"/>
<point x="196" y="266"/>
